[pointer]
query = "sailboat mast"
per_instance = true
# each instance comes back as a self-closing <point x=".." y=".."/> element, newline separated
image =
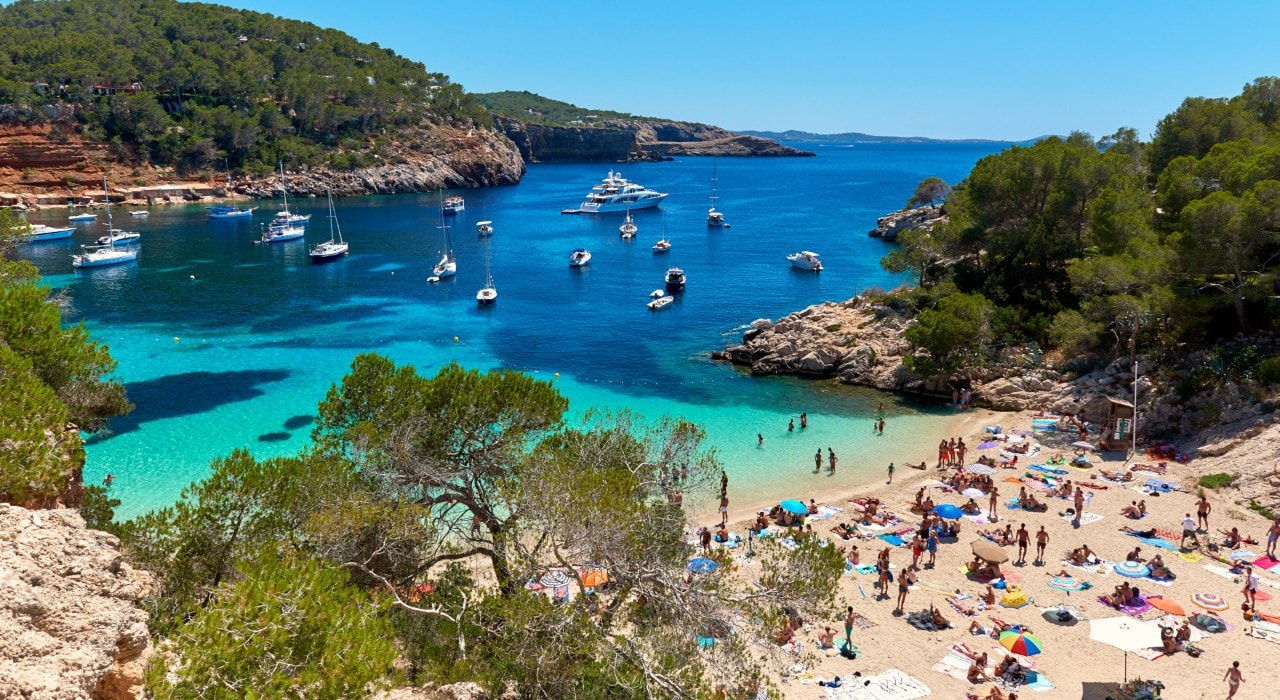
<point x="284" y="187"/>
<point x="713" y="184"/>
<point x="111" y="239"/>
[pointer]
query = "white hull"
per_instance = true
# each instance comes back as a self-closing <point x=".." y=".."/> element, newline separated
<point x="806" y="261"/>
<point x="579" y="259"/>
<point x="82" y="218"/>
<point x="610" y="207"/>
<point x="328" y="251"/>
<point x="139" y="214"/>
<point x="102" y="258"/>
<point x="281" y="235"/>
<point x="40" y="233"/>
<point x="662" y="246"/>
<point x="447" y="267"/>
<point x="486" y="296"/>
<point x="661" y="303"/>
<point x="484" y="228"/>
<point x="119" y="238"/>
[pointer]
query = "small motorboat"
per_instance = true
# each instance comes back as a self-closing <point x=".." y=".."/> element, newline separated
<point x="81" y="218"/>
<point x="139" y="214"/>
<point x="662" y="246"/>
<point x="454" y="205"/>
<point x="484" y="228"/>
<point x="657" y="293"/>
<point x="579" y="257"/>
<point x="37" y="233"/>
<point x="675" y="280"/>
<point x="661" y="303"/>
<point x="118" y="237"/>
<point x="434" y="279"/>
<point x="805" y="260"/>
<point x="223" y="212"/>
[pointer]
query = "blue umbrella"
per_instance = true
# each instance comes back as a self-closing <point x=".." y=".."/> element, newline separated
<point x="1132" y="569"/>
<point x="948" y="511"/>
<point x="702" y="565"/>
<point x="795" y="507"/>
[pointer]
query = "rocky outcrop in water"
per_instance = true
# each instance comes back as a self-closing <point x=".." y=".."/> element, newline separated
<point x="614" y="140"/>
<point x="924" y="218"/>
<point x="70" y="626"/>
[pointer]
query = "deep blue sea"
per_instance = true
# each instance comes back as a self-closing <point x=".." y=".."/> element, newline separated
<point x="226" y="344"/>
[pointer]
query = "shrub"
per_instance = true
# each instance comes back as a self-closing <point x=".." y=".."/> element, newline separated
<point x="1216" y="481"/>
<point x="1268" y="371"/>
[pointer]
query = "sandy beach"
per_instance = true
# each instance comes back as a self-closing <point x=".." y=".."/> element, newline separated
<point x="1071" y="665"/>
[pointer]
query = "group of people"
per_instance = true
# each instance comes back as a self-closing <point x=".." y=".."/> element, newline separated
<point x="951" y="452"/>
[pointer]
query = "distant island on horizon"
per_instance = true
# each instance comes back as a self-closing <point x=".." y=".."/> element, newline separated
<point x="859" y="137"/>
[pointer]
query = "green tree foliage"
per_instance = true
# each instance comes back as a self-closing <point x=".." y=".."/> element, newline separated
<point x="217" y="83"/>
<point x="952" y="334"/>
<point x="290" y="627"/>
<point x="929" y="191"/>
<point x="529" y="107"/>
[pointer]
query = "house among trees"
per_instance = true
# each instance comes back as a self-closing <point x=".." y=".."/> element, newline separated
<point x="131" y="89"/>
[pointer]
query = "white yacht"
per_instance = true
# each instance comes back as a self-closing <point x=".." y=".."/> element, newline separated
<point x="579" y="257"/>
<point x="274" y="234"/>
<point x="118" y="237"/>
<point x="489" y="293"/>
<point x="628" y="228"/>
<point x="454" y="205"/>
<point x="38" y="233"/>
<point x="447" y="267"/>
<point x="484" y="228"/>
<point x="805" y="260"/>
<point x="108" y="254"/>
<point x="675" y="280"/>
<point x="141" y="213"/>
<point x="715" y="219"/>
<point x="335" y="247"/>
<point x="284" y="218"/>
<point x="616" y="193"/>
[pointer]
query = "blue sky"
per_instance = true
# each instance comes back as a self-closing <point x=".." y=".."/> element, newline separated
<point x="999" y="70"/>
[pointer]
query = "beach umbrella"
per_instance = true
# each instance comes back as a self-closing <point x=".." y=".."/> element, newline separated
<point x="1126" y="634"/>
<point x="948" y="511"/>
<point x="1168" y="605"/>
<point x="701" y="565"/>
<point x="1066" y="583"/>
<point x="794" y="507"/>
<point x="1132" y="569"/>
<point x="1073" y="614"/>
<point x="973" y="493"/>
<point x="554" y="579"/>
<point x="1023" y="643"/>
<point x="987" y="445"/>
<point x="1082" y="445"/>
<point x="1209" y="601"/>
<point x="989" y="551"/>
<point x="981" y="469"/>
<point x="1242" y="555"/>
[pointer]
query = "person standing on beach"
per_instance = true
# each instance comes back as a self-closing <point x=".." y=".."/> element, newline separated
<point x="1233" y="679"/>
<point x="1272" y="536"/>
<point x="960" y="450"/>
<point x="724" y="509"/>
<point x="831" y="459"/>
<point x="1024" y="539"/>
<point x="817" y="461"/>
<point x="942" y="453"/>
<point x="1202" y="513"/>
<point x="1042" y="539"/>
<point x="904" y="586"/>
<point x="849" y="619"/>
<point x="891" y="472"/>
<point x="931" y="544"/>
<point x="1189" y="531"/>
<point x="1250" y="586"/>
<point x="994" y="499"/>
<point x="1079" y="503"/>
<point x="706" y="540"/>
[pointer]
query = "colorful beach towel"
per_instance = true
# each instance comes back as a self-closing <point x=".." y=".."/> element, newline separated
<point x="1265" y="563"/>
<point x="1158" y="542"/>
<point x="893" y="540"/>
<point x="1132" y="609"/>
<point x="1192" y="557"/>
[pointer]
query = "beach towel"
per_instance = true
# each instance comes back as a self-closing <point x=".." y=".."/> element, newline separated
<point x="977" y="519"/>
<point x="1192" y="557"/>
<point x="987" y="445"/>
<point x="1134" y="609"/>
<point x="789" y="543"/>
<point x="825" y="512"/>
<point x="893" y="540"/>
<point x="1265" y="563"/>
<point x="1085" y="519"/>
<point x="1047" y="469"/>
<point x="1102" y="568"/>
<point x="955" y="666"/>
<point x="1149" y="654"/>
<point x="890" y="685"/>
<point x="1266" y="631"/>
<point x="1169" y="535"/>
<point x="932" y="587"/>
<point x="1158" y="542"/>
<point x="1158" y="581"/>
<point x="1038" y="682"/>
<point x="865" y="568"/>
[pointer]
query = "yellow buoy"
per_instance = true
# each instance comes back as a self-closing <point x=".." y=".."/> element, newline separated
<point x="455" y="338"/>
<point x="557" y="375"/>
<point x="175" y="338"/>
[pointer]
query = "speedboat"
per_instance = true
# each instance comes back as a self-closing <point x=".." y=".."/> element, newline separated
<point x="225" y="212"/>
<point x="662" y="246"/>
<point x="805" y="260"/>
<point x="675" y="280"/>
<point x="333" y="248"/>
<point x="140" y="213"/>
<point x="616" y="193"/>
<point x="484" y="228"/>
<point x="118" y="237"/>
<point x="82" y="218"/>
<point x="657" y="293"/>
<point x="271" y="234"/>
<point x="579" y="257"/>
<point x="454" y="205"/>
<point x="661" y="303"/>
<point x="38" y="233"/>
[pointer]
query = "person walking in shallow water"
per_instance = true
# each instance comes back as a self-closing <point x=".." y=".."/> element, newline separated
<point x="804" y="420"/>
<point x="791" y="425"/>
<point x="817" y="461"/>
<point x="832" y="462"/>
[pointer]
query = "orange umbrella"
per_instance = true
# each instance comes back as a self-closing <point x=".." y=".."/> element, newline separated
<point x="1166" y="604"/>
<point x="593" y="579"/>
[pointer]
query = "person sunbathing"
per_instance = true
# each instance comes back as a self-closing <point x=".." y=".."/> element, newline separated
<point x="762" y="523"/>
<point x="1030" y="503"/>
<point x="1148" y="534"/>
<point x="1010" y="670"/>
<point x="1159" y="570"/>
<point x="844" y="531"/>
<point x="976" y="628"/>
<point x="785" y="634"/>
<point x="1235" y="539"/>
<point x="960" y="607"/>
<point x="938" y="620"/>
<point x="976" y="674"/>
<point x="988" y="597"/>
<point x="1116" y="476"/>
<point x="971" y="508"/>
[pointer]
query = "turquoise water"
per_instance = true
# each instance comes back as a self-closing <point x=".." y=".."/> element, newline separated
<point x="226" y="344"/>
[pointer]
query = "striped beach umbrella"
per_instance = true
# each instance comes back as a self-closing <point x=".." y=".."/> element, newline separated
<point x="1132" y="569"/>
<point x="980" y="469"/>
<point x="1066" y="583"/>
<point x="1023" y="643"/>
<point x="1209" y="601"/>
<point x="554" y="579"/>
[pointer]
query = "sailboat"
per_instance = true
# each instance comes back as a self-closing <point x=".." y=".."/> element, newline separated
<point x="109" y="254"/>
<point x="663" y="245"/>
<point x="331" y="249"/>
<point x="227" y="212"/>
<point x="447" y="267"/>
<point x="628" y="227"/>
<point x="285" y="218"/>
<point x="714" y="218"/>
<point x="489" y="293"/>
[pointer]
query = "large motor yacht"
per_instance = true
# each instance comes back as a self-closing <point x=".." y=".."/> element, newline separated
<point x="617" y="193"/>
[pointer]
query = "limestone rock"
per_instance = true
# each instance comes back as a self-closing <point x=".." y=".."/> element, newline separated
<point x="69" y="623"/>
<point x="890" y="225"/>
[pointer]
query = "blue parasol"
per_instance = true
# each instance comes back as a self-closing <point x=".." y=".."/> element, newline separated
<point x="795" y="507"/>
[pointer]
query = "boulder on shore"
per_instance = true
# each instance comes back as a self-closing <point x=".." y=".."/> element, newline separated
<point x="924" y="218"/>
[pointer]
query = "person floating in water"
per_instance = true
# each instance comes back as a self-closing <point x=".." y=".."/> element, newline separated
<point x="791" y="425"/>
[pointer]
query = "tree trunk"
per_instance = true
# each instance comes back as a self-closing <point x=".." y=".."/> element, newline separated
<point x="501" y="568"/>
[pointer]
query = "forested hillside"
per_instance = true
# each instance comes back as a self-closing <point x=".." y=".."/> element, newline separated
<point x="536" y="109"/>
<point x="1085" y="246"/>
<point x="195" y="85"/>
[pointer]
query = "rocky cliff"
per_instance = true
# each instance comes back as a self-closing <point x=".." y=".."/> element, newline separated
<point x="614" y="140"/>
<point x="70" y="626"/>
<point x="890" y="225"/>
